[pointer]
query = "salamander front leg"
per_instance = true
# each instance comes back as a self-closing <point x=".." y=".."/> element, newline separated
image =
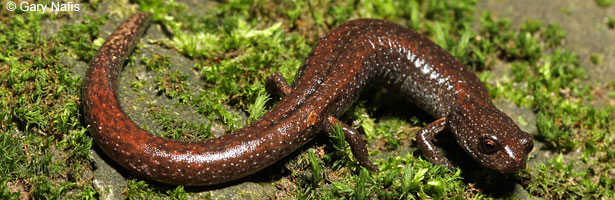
<point x="356" y="142"/>
<point x="276" y="84"/>
<point x="424" y="139"/>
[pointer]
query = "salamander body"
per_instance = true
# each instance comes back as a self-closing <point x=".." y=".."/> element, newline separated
<point x="354" y="54"/>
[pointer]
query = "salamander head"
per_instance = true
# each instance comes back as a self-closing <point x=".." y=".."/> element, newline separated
<point x="490" y="137"/>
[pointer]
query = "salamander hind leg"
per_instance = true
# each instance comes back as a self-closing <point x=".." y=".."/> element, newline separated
<point x="424" y="139"/>
<point x="276" y="84"/>
<point x="356" y="142"/>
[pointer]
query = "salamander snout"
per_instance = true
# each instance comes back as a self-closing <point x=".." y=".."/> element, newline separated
<point x="514" y="154"/>
<point x="491" y="138"/>
<point x="511" y="147"/>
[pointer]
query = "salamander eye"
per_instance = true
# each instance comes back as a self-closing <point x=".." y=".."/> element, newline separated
<point x="488" y="146"/>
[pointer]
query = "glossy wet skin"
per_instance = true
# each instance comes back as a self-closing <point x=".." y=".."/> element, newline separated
<point x="355" y="54"/>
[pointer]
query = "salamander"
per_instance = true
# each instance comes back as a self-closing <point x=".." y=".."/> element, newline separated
<point x="352" y="55"/>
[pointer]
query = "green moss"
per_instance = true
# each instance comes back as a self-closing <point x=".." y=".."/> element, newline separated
<point x="317" y="175"/>
<point x="258" y="109"/>
<point x="157" y="63"/>
<point x="137" y="190"/>
<point x="553" y="35"/>
<point x="176" y="127"/>
<point x="14" y="157"/>
<point x="604" y="3"/>
<point x="41" y="109"/>
<point x="596" y="59"/>
<point x="78" y="38"/>
<point x="556" y="179"/>
<point x="173" y="85"/>
<point x="611" y="87"/>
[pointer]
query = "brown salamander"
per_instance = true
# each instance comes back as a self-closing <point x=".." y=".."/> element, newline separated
<point x="354" y="54"/>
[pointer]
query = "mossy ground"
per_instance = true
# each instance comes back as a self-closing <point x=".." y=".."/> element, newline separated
<point x="200" y="71"/>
